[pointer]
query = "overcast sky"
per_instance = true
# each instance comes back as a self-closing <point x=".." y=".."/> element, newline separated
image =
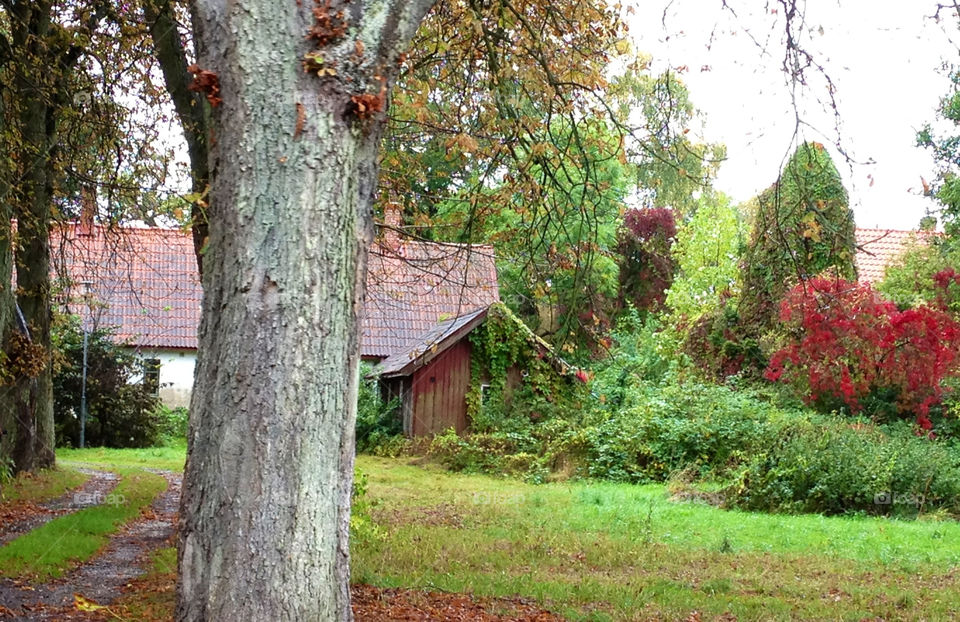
<point x="884" y="56"/>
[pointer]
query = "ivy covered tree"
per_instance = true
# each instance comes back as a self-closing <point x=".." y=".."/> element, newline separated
<point x="802" y="226"/>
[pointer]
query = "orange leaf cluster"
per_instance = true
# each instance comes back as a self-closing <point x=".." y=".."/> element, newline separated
<point x="329" y="26"/>
<point x="206" y="82"/>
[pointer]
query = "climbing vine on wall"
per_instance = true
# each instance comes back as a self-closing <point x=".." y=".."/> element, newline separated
<point x="545" y="384"/>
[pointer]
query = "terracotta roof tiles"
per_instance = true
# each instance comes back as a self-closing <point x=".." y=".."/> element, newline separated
<point x="146" y="284"/>
<point x="879" y="248"/>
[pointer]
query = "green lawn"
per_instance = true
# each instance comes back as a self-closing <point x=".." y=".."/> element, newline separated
<point x="170" y="458"/>
<point x="41" y="486"/>
<point x="609" y="551"/>
<point x="600" y="551"/>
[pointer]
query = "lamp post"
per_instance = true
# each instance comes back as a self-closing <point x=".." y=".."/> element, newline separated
<point x="85" y="285"/>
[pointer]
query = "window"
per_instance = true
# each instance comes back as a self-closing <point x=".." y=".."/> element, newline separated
<point x="484" y="393"/>
<point x="151" y="376"/>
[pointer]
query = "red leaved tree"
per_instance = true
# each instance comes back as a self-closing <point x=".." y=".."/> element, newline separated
<point x="646" y="266"/>
<point x="846" y="343"/>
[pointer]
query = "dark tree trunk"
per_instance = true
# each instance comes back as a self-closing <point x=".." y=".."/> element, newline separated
<point x="32" y="198"/>
<point x="266" y="499"/>
<point x="192" y="110"/>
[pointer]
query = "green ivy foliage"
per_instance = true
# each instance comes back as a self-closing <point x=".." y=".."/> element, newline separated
<point x="544" y="387"/>
<point x="802" y="226"/>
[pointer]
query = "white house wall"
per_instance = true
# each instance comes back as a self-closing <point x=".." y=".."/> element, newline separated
<point x="176" y="374"/>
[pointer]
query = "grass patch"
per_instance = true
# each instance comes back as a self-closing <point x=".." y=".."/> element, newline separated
<point x="169" y="458"/>
<point x="602" y="551"/>
<point x="42" y="485"/>
<point x="62" y="543"/>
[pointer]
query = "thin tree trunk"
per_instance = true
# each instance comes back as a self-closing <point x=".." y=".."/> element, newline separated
<point x="192" y="110"/>
<point x="8" y="421"/>
<point x="266" y="499"/>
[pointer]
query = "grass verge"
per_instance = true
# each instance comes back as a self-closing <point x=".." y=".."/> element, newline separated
<point x="600" y="551"/>
<point x="41" y="486"/>
<point x="151" y="598"/>
<point x="60" y="544"/>
<point x="168" y="458"/>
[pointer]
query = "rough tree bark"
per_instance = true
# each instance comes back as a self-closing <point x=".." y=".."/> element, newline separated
<point x="40" y="65"/>
<point x="266" y="500"/>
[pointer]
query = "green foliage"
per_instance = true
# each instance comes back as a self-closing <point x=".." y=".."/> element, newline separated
<point x="640" y="350"/>
<point x="946" y="151"/>
<point x="120" y="413"/>
<point x="362" y="527"/>
<point x="708" y="429"/>
<point x="173" y="423"/>
<point x="707" y="255"/>
<point x="379" y="426"/>
<point x="525" y="380"/>
<point x="721" y="346"/>
<point x="802" y="227"/>
<point x="910" y="281"/>
<point x="829" y="466"/>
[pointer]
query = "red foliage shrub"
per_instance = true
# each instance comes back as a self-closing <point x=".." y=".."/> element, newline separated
<point x="846" y="342"/>
<point x="646" y="266"/>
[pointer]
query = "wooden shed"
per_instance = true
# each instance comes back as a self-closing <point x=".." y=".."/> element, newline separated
<point x="432" y="377"/>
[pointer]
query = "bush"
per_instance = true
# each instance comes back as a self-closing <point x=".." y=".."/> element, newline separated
<point x="705" y="428"/>
<point x="173" y="423"/>
<point x="379" y="426"/>
<point x="119" y="414"/>
<point x="834" y="467"/>
<point x="847" y="346"/>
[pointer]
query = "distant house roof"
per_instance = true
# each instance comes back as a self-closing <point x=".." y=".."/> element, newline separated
<point x="414" y="285"/>
<point x="143" y="281"/>
<point x="879" y="248"/>
<point x="146" y="285"/>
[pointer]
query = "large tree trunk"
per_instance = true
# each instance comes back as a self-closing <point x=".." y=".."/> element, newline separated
<point x="266" y="501"/>
<point x="32" y="200"/>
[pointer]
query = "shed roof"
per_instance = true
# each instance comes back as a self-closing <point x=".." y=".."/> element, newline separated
<point x="429" y="345"/>
<point x="445" y="334"/>
<point x="415" y="285"/>
<point x="879" y="248"/>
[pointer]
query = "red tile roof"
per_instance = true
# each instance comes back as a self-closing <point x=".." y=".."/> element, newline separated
<point x="879" y="248"/>
<point x="145" y="282"/>
<point x="412" y="287"/>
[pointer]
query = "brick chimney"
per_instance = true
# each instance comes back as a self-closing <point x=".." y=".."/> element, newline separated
<point x="88" y="209"/>
<point x="391" y="226"/>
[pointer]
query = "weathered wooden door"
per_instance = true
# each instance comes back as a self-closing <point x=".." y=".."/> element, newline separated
<point x="440" y="392"/>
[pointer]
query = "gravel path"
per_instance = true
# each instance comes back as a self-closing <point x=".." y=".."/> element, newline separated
<point x="102" y="578"/>
<point x="29" y="516"/>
